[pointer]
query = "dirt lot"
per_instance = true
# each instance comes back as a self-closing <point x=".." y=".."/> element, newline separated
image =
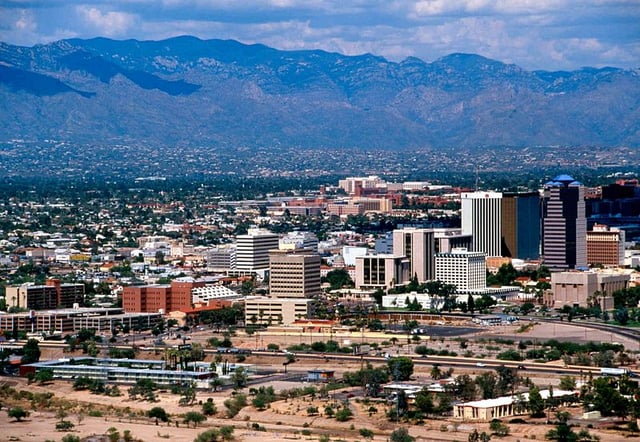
<point x="285" y="419"/>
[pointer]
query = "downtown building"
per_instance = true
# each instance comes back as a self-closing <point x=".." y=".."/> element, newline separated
<point x="252" y="250"/>
<point x="521" y="225"/>
<point x="420" y="246"/>
<point x="482" y="218"/>
<point x="564" y="224"/>
<point x="605" y="246"/>
<point x="464" y="269"/>
<point x="52" y="295"/>
<point x="294" y="274"/>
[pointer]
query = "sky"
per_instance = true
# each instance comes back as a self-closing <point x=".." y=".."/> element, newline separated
<point x="534" y="34"/>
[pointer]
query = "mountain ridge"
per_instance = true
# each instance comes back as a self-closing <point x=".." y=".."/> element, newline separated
<point x="224" y="93"/>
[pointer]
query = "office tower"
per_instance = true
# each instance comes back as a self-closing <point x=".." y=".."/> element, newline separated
<point x="482" y="218"/>
<point x="418" y="245"/>
<point x="462" y="268"/>
<point x="381" y="271"/>
<point x="521" y="225"/>
<point x="294" y="273"/>
<point x="564" y="224"/>
<point x="605" y="245"/>
<point x="252" y="250"/>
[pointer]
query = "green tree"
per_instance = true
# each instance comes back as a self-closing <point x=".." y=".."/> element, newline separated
<point x="44" y="375"/>
<point x="536" y="403"/>
<point x="17" y="413"/>
<point x="209" y="408"/>
<point x="159" y="414"/>
<point x="498" y="428"/>
<point x="366" y="433"/>
<point x="194" y="417"/>
<point x="401" y="435"/>
<point x="567" y="383"/>
<point x="400" y="368"/>
<point x="344" y="414"/>
<point x="488" y="384"/>
<point x="31" y="352"/>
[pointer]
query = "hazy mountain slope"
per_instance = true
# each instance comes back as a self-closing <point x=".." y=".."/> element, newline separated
<point x="224" y="93"/>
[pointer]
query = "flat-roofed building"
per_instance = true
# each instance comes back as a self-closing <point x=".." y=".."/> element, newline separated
<point x="586" y="288"/>
<point x="294" y="274"/>
<point x="605" y="246"/>
<point x="381" y="271"/>
<point x="252" y="249"/>
<point x="462" y="268"/>
<point x="482" y="218"/>
<point x="53" y="294"/>
<point x="275" y="311"/>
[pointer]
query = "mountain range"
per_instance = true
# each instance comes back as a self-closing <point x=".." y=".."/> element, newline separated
<point x="221" y="93"/>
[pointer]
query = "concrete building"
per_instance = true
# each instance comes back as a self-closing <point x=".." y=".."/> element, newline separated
<point x="159" y="298"/>
<point x="502" y="407"/>
<point x="605" y="246"/>
<point x="462" y="268"/>
<point x="53" y="294"/>
<point x="294" y="274"/>
<point x="419" y="246"/>
<point x="350" y="253"/>
<point x="252" y="250"/>
<point x="521" y="225"/>
<point x="482" y="218"/>
<point x="299" y="240"/>
<point x="381" y="271"/>
<point x="223" y="258"/>
<point x="585" y="288"/>
<point x="103" y="320"/>
<point x="564" y="224"/>
<point x="359" y="185"/>
<point x="275" y="311"/>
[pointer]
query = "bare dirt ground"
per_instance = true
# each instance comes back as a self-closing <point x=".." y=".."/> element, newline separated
<point x="285" y="419"/>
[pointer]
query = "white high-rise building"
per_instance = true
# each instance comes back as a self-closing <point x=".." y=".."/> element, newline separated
<point x="252" y="249"/>
<point x="462" y="268"/>
<point x="482" y="218"/>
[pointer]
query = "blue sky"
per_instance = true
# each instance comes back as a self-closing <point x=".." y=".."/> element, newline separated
<point x="535" y="34"/>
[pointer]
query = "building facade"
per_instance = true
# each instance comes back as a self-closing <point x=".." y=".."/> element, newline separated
<point x="275" y="311"/>
<point x="419" y="246"/>
<point x="605" y="246"/>
<point x="482" y="218"/>
<point x="583" y="289"/>
<point x="564" y="224"/>
<point x="252" y="250"/>
<point x="462" y="268"/>
<point x="521" y="225"/>
<point x="53" y="294"/>
<point x="381" y="271"/>
<point x="294" y="274"/>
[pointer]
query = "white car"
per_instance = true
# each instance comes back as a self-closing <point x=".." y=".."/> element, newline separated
<point x="479" y="364"/>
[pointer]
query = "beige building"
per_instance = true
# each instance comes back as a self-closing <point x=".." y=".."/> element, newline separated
<point x="584" y="288"/>
<point x="294" y="273"/>
<point x="506" y="406"/>
<point x="381" y="271"/>
<point x="275" y="310"/>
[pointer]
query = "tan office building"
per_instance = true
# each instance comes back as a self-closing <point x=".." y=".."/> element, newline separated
<point x="294" y="273"/>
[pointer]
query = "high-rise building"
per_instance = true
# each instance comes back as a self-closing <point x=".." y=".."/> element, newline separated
<point x="482" y="218"/>
<point x="418" y="245"/>
<point x="564" y="224"/>
<point x="462" y="268"/>
<point x="421" y="245"/>
<point x="605" y="245"/>
<point x="299" y="240"/>
<point x="252" y="250"/>
<point x="294" y="273"/>
<point x="521" y="225"/>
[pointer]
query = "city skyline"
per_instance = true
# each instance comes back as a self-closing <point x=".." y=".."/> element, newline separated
<point x="548" y="35"/>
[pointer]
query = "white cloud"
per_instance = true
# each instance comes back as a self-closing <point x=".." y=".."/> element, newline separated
<point x="110" y="24"/>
